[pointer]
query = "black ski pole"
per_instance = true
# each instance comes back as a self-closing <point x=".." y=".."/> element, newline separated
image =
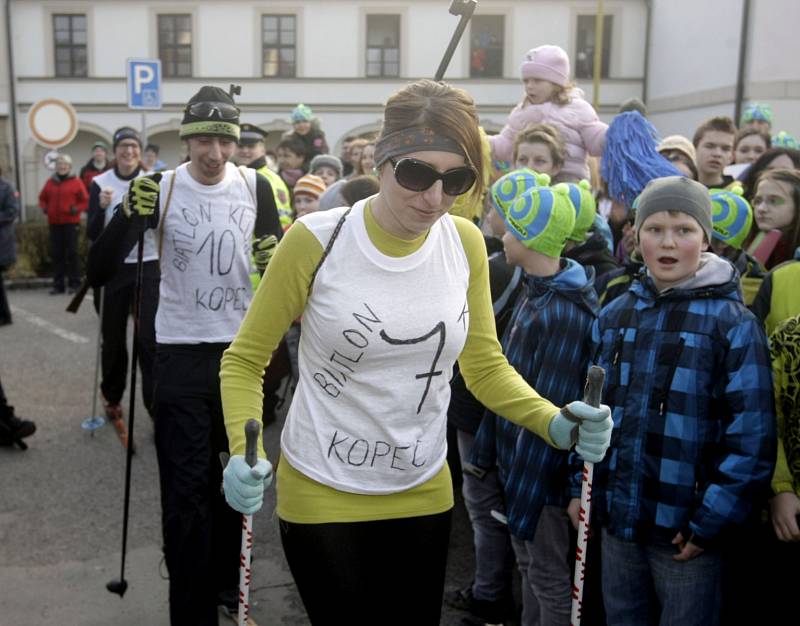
<point x="464" y="8"/>
<point x="120" y="585"/>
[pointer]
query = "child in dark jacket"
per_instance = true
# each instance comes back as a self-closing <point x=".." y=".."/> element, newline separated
<point x="548" y="341"/>
<point x="689" y="384"/>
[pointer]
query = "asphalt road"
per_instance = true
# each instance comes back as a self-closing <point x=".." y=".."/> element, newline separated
<point x="61" y="500"/>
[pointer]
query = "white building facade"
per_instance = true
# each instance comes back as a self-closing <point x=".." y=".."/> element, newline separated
<point x="344" y="58"/>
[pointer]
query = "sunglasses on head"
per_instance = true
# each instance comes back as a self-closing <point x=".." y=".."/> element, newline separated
<point x="417" y="175"/>
<point x="220" y="110"/>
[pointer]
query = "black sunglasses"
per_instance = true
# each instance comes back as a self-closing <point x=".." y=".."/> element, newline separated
<point x="223" y="110"/>
<point x="417" y="175"/>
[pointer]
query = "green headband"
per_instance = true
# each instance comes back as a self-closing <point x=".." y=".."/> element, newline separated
<point x="194" y="129"/>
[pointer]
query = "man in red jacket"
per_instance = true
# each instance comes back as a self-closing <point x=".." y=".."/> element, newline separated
<point x="63" y="198"/>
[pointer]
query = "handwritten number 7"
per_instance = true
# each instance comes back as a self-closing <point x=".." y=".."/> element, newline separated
<point x="440" y="329"/>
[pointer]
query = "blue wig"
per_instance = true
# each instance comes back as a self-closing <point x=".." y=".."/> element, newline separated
<point x="630" y="159"/>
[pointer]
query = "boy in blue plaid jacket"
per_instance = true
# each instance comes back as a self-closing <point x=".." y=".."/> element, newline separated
<point x="689" y="383"/>
<point x="548" y="341"/>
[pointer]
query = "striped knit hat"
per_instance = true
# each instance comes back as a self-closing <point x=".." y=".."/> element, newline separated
<point x="580" y="194"/>
<point x="731" y="216"/>
<point x="541" y="218"/>
<point x="309" y="185"/>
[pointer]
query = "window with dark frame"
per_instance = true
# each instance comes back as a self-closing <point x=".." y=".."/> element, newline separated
<point x="487" y="38"/>
<point x="69" y="45"/>
<point x="585" y="45"/>
<point x="383" y="46"/>
<point x="278" y="46"/>
<point x="175" y="45"/>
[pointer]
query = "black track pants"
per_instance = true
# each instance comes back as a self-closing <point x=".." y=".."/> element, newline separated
<point x="384" y="572"/>
<point x="117" y="307"/>
<point x="202" y="534"/>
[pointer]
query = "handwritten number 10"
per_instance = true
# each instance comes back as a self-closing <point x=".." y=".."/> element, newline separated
<point x="218" y="250"/>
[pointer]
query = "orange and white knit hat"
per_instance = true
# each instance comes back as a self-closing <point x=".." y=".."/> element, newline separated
<point x="309" y="185"/>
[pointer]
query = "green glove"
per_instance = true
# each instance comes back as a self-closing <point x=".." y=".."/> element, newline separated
<point x="142" y="198"/>
<point x="263" y="249"/>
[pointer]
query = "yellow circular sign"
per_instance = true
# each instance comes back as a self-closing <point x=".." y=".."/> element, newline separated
<point x="53" y="122"/>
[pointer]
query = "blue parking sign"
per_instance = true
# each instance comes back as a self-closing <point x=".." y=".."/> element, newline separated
<point x="144" y="83"/>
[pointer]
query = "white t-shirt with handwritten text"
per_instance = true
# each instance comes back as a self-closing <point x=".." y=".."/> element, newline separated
<point x="119" y="187"/>
<point x="379" y="339"/>
<point x="206" y="241"/>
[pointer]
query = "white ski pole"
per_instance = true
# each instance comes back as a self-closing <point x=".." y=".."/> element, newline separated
<point x="251" y="430"/>
<point x="591" y="395"/>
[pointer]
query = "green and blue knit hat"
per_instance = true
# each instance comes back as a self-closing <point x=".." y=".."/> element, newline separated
<point x="509" y="187"/>
<point x="731" y="216"/>
<point x="785" y="140"/>
<point x="302" y="113"/>
<point x="756" y="112"/>
<point x="580" y="194"/>
<point x="541" y="218"/>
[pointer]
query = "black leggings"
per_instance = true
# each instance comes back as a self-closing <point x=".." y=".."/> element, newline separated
<point x="383" y="572"/>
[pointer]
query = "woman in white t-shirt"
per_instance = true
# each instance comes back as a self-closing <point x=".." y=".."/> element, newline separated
<point x="391" y="293"/>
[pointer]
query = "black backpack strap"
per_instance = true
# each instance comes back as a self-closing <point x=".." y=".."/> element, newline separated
<point x="327" y="250"/>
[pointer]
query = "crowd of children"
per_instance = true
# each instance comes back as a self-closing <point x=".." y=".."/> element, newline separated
<point x="689" y="376"/>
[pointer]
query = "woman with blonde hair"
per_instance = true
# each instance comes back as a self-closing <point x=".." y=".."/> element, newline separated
<point x="392" y="292"/>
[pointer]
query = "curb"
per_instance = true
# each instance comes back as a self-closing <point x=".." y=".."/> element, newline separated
<point x="28" y="283"/>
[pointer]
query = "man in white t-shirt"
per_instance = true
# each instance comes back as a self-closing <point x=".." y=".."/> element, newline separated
<point x="105" y="192"/>
<point x="206" y="214"/>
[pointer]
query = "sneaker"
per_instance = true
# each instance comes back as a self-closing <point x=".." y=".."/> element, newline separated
<point x="55" y="291"/>
<point x="232" y="613"/>
<point x="122" y="431"/>
<point x="13" y="429"/>
<point x="460" y="599"/>
<point x="113" y="411"/>
<point x="487" y="611"/>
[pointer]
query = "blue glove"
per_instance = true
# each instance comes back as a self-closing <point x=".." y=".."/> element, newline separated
<point x="244" y="485"/>
<point x="584" y="425"/>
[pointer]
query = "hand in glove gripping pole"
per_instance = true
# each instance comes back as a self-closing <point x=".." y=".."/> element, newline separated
<point x="589" y="428"/>
<point x="263" y="249"/>
<point x="142" y="199"/>
<point x="244" y="485"/>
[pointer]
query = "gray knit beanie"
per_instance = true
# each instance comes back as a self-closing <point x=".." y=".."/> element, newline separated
<point x="326" y="160"/>
<point x="675" y="193"/>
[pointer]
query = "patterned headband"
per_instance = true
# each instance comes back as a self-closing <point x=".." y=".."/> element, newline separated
<point x="417" y="138"/>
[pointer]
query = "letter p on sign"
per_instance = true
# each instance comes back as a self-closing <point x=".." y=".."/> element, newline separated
<point x="142" y="75"/>
<point x="144" y="83"/>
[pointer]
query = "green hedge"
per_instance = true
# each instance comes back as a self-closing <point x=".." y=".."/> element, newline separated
<point x="33" y="251"/>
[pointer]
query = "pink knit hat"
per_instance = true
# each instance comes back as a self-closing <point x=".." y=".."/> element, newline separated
<point x="546" y="63"/>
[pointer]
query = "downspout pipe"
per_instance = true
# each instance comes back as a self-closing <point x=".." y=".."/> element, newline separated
<point x="648" y="6"/>
<point x="743" y="40"/>
<point x="12" y="105"/>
